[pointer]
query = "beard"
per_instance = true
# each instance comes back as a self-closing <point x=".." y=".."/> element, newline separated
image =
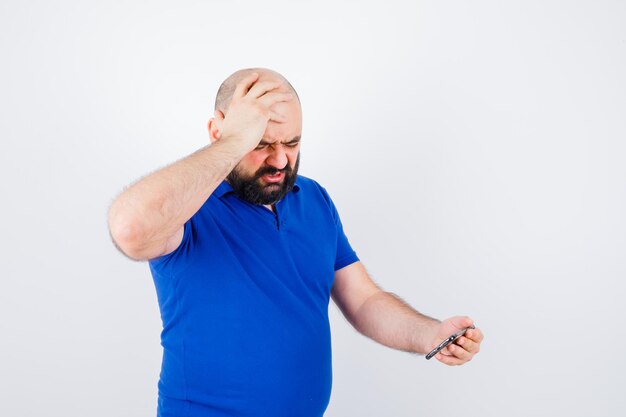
<point x="254" y="191"/>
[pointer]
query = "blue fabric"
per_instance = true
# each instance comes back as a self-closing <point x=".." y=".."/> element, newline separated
<point x="244" y="304"/>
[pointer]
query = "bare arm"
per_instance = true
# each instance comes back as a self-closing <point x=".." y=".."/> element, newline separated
<point x="380" y="315"/>
<point x="387" y="319"/>
<point x="146" y="220"/>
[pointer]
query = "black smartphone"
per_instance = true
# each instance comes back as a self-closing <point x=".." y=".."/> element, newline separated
<point x="446" y="342"/>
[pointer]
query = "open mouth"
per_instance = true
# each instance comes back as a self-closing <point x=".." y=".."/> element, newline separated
<point x="275" y="178"/>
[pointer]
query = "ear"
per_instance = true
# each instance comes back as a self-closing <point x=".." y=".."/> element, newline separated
<point x="214" y="126"/>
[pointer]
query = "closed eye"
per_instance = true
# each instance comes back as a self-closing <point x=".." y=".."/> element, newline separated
<point x="264" y="145"/>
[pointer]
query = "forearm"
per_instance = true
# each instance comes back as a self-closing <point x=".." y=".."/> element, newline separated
<point x="387" y="319"/>
<point x="150" y="211"/>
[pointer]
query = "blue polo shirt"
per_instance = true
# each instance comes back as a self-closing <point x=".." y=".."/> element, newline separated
<point x="244" y="304"/>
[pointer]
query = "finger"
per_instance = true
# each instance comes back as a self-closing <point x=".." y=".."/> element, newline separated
<point x="446" y="351"/>
<point x="468" y="345"/>
<point x="277" y="117"/>
<point x="456" y="323"/>
<point x="463" y="321"/>
<point x="449" y="360"/>
<point x="475" y="334"/>
<point x="460" y="353"/>
<point x="270" y="99"/>
<point x="262" y="87"/>
<point x="244" y="85"/>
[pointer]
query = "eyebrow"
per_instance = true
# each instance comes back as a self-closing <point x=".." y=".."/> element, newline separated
<point x="289" y="142"/>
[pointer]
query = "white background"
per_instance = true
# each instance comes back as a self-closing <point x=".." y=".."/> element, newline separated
<point x="475" y="150"/>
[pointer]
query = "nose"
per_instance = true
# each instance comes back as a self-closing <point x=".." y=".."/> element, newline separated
<point x="277" y="158"/>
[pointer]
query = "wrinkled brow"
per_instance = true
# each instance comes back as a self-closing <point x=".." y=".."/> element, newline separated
<point x="289" y="142"/>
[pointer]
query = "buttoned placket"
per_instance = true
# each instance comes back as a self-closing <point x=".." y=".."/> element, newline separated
<point x="276" y="213"/>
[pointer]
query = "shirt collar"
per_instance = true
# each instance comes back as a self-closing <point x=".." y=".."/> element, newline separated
<point x="225" y="188"/>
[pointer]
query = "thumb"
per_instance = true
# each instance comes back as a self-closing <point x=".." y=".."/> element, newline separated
<point x="460" y="322"/>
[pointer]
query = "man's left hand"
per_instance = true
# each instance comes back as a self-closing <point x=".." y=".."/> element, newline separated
<point x="465" y="347"/>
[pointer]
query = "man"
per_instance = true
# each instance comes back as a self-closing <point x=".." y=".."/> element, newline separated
<point x="245" y="255"/>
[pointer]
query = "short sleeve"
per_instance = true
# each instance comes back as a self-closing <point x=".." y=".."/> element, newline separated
<point x="177" y="260"/>
<point x="345" y="254"/>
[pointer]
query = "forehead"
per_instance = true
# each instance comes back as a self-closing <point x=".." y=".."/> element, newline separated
<point x="287" y="130"/>
<point x="283" y="132"/>
<point x="291" y="110"/>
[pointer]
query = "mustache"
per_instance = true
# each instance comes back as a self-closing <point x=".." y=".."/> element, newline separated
<point x="271" y="170"/>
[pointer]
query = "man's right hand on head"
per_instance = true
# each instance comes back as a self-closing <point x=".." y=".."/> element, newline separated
<point x="147" y="219"/>
<point x="250" y="110"/>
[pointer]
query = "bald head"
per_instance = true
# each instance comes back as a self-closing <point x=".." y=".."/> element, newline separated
<point x="226" y="90"/>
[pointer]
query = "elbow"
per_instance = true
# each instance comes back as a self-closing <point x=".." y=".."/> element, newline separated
<point x="127" y="235"/>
